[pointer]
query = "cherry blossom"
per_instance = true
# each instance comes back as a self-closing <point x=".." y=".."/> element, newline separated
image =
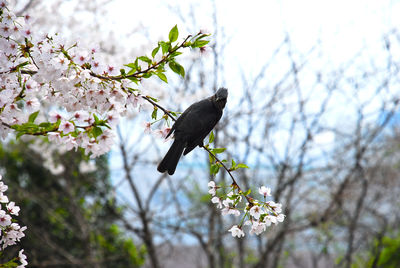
<point x="5" y="219"/>
<point x="10" y="232"/>
<point x="259" y="214"/>
<point x="230" y="210"/>
<point x="257" y="227"/>
<point x="13" y="209"/>
<point x="217" y="201"/>
<point x="236" y="231"/>
<point x="147" y="127"/>
<point x="66" y="126"/>
<point x="213" y="188"/>
<point x="22" y="259"/>
<point x="255" y="211"/>
<point x="265" y="191"/>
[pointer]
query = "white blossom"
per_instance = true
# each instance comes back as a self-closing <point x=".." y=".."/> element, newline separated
<point x="13" y="209"/>
<point x="230" y="211"/>
<point x="5" y="219"/>
<point x="22" y="259"/>
<point x="217" y="201"/>
<point x="213" y="188"/>
<point x="258" y="227"/>
<point x="236" y="231"/>
<point x="265" y="191"/>
<point x="255" y="211"/>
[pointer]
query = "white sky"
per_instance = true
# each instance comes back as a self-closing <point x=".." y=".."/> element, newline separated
<point x="258" y="26"/>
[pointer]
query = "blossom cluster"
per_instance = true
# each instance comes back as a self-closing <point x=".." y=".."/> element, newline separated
<point x="10" y="231"/>
<point x="257" y="214"/>
<point x="39" y="72"/>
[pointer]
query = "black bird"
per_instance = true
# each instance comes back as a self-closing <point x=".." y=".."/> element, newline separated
<point x="192" y="127"/>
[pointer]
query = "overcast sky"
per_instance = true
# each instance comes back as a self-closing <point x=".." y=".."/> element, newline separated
<point x="343" y="26"/>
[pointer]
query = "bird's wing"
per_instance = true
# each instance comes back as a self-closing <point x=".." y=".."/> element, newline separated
<point x="199" y="120"/>
<point x="178" y="121"/>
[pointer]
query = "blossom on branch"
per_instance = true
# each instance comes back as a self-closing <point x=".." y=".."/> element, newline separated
<point x="10" y="231"/>
<point x="236" y="231"/>
<point x="265" y="191"/>
<point x="257" y="214"/>
<point x="22" y="259"/>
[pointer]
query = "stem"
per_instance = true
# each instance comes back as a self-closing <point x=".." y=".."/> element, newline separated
<point x="160" y="107"/>
<point x="248" y="198"/>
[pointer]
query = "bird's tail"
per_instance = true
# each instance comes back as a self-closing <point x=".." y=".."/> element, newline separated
<point x="171" y="159"/>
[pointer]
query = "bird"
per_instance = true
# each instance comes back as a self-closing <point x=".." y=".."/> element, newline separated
<point x="192" y="126"/>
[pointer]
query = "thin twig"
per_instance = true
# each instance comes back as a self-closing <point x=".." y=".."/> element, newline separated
<point x="248" y="198"/>
<point x="160" y="107"/>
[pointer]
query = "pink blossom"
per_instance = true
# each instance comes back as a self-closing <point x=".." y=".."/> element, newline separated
<point x="66" y="126"/>
<point x="147" y="127"/>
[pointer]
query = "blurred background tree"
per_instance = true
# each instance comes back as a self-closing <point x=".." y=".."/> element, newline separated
<point x="72" y="215"/>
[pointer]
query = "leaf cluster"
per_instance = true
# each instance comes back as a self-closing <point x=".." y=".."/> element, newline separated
<point x="168" y="51"/>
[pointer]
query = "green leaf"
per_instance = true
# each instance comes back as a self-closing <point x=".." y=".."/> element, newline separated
<point x="152" y="98"/>
<point x="154" y="52"/>
<point x="233" y="163"/>
<point x="218" y="150"/>
<point x="147" y="74"/>
<point x="131" y="89"/>
<point x="211" y="158"/>
<point x="162" y="77"/>
<point x="134" y="80"/>
<point x="16" y="127"/>
<point x="173" y="113"/>
<point x="33" y="116"/>
<point x="145" y="59"/>
<point x="176" y="53"/>
<point x="177" y="68"/>
<point x="97" y="131"/>
<point x="133" y="67"/>
<point x="46" y="125"/>
<point x="154" y="113"/>
<point x="96" y="119"/>
<point x="130" y="65"/>
<point x="173" y="34"/>
<point x="165" y="46"/>
<point x="131" y="71"/>
<point x="241" y="165"/>
<point x="200" y="43"/>
<point x="247" y="192"/>
<point x="19" y="135"/>
<point x="211" y="138"/>
<point x="29" y="126"/>
<point x="214" y="169"/>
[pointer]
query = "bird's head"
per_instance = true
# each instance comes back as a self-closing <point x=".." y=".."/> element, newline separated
<point x="220" y="97"/>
